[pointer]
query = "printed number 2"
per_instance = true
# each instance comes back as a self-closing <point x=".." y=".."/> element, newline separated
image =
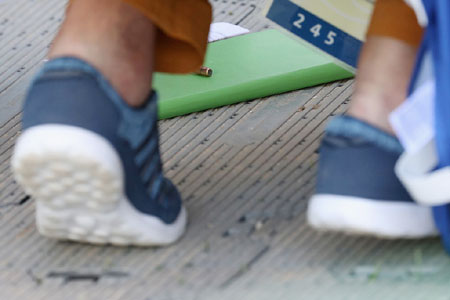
<point x="299" y="22"/>
<point x="330" y="38"/>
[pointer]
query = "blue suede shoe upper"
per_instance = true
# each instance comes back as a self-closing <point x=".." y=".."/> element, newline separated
<point x="358" y="160"/>
<point x="71" y="92"/>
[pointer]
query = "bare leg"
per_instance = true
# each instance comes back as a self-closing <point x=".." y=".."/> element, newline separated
<point x="109" y="152"/>
<point x="384" y="71"/>
<point x="114" y="37"/>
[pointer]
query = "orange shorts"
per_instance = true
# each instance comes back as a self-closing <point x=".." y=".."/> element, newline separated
<point x="183" y="32"/>
<point x="395" y="19"/>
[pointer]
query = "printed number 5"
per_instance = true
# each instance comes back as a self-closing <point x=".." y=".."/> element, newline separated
<point x="299" y="22"/>
<point x="330" y="38"/>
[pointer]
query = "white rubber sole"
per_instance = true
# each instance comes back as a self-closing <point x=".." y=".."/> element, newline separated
<point x="370" y="217"/>
<point x="77" y="179"/>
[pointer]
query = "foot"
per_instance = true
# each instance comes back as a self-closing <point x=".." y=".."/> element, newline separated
<point x="357" y="190"/>
<point x="92" y="162"/>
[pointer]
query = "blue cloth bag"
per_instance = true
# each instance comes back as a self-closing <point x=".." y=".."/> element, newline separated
<point x="436" y="41"/>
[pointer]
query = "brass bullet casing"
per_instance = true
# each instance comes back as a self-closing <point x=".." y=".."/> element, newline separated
<point x="205" y="71"/>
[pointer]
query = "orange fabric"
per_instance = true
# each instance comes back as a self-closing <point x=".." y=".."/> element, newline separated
<point x="394" y="18"/>
<point x="183" y="27"/>
<point x="183" y="32"/>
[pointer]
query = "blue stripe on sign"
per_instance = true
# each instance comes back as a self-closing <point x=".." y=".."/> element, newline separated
<point x="316" y="31"/>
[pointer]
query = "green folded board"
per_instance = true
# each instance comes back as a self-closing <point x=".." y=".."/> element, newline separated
<point x="245" y="67"/>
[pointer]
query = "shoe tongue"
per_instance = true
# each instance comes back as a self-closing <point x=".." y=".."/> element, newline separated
<point x="352" y="128"/>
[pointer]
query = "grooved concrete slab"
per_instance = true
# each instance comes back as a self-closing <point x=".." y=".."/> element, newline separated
<point x="245" y="172"/>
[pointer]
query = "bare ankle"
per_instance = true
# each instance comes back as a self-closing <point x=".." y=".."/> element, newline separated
<point x="116" y="39"/>
<point x="370" y="109"/>
<point x="373" y="104"/>
<point x="382" y="80"/>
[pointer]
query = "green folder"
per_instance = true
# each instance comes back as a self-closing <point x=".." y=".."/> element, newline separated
<point x="245" y="67"/>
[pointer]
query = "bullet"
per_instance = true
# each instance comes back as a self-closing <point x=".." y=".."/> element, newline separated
<point x="205" y="71"/>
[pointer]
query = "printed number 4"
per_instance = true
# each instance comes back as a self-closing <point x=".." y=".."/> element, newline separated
<point x="316" y="30"/>
<point x="299" y="22"/>
<point x="330" y="38"/>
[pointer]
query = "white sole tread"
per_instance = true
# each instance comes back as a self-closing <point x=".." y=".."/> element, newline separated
<point x="77" y="180"/>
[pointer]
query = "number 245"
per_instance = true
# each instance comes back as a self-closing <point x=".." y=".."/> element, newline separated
<point x="315" y="30"/>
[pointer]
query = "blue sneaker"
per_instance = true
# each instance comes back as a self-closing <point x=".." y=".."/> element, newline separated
<point x="92" y="162"/>
<point x="357" y="190"/>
